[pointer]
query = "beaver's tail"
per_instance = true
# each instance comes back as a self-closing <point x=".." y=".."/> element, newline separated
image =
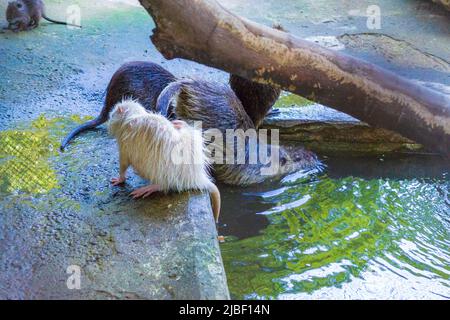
<point x="60" y="22"/>
<point x="168" y="94"/>
<point x="85" y="126"/>
<point x="214" y="195"/>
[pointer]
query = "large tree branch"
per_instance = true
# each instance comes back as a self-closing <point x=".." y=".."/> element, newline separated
<point x="444" y="3"/>
<point x="203" y="31"/>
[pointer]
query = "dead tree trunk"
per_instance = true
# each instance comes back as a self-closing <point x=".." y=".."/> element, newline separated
<point x="444" y="3"/>
<point x="203" y="31"/>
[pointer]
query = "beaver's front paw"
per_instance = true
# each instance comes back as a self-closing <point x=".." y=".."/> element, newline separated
<point x="117" y="181"/>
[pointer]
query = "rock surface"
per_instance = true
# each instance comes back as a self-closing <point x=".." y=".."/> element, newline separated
<point x="327" y="131"/>
<point x="58" y="209"/>
<point x="411" y="38"/>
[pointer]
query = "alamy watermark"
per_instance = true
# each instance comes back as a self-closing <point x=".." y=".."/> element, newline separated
<point x="235" y="146"/>
<point x="373" y="15"/>
<point x="73" y="16"/>
<point x="74" y="279"/>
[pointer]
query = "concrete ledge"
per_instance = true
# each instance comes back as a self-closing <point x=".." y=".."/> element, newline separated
<point x="328" y="131"/>
<point x="164" y="247"/>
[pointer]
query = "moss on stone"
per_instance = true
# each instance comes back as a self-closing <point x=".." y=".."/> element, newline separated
<point x="292" y="100"/>
<point x="25" y="153"/>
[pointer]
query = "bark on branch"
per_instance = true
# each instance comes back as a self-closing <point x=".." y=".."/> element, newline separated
<point x="203" y="31"/>
<point x="444" y="3"/>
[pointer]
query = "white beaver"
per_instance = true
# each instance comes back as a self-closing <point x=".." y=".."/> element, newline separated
<point x="169" y="154"/>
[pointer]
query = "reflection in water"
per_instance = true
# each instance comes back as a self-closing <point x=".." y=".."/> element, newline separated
<point x="344" y="237"/>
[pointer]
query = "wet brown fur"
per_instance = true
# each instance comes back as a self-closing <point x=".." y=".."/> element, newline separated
<point x="216" y="106"/>
<point x="257" y="99"/>
<point x="142" y="81"/>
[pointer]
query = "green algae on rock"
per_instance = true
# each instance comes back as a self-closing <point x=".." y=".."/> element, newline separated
<point x="291" y="100"/>
<point x="25" y="153"/>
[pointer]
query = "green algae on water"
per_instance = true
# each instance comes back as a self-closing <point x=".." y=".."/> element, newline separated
<point x="330" y="240"/>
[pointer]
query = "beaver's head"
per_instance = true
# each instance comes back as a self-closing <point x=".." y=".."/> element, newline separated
<point x="16" y="13"/>
<point x="297" y="158"/>
<point x="123" y="114"/>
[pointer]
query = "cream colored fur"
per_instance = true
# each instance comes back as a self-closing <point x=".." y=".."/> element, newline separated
<point x="149" y="143"/>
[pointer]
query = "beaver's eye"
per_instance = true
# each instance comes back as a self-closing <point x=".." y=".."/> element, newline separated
<point x="19" y="5"/>
<point x="283" y="161"/>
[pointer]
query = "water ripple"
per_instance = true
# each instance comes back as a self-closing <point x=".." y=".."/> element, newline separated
<point x="339" y="238"/>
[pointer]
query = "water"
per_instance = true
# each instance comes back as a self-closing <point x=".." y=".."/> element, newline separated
<point x="366" y="228"/>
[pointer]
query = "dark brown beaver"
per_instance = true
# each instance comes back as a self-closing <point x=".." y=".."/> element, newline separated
<point x="142" y="81"/>
<point x="216" y="106"/>
<point x="256" y="98"/>
<point x="23" y="15"/>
